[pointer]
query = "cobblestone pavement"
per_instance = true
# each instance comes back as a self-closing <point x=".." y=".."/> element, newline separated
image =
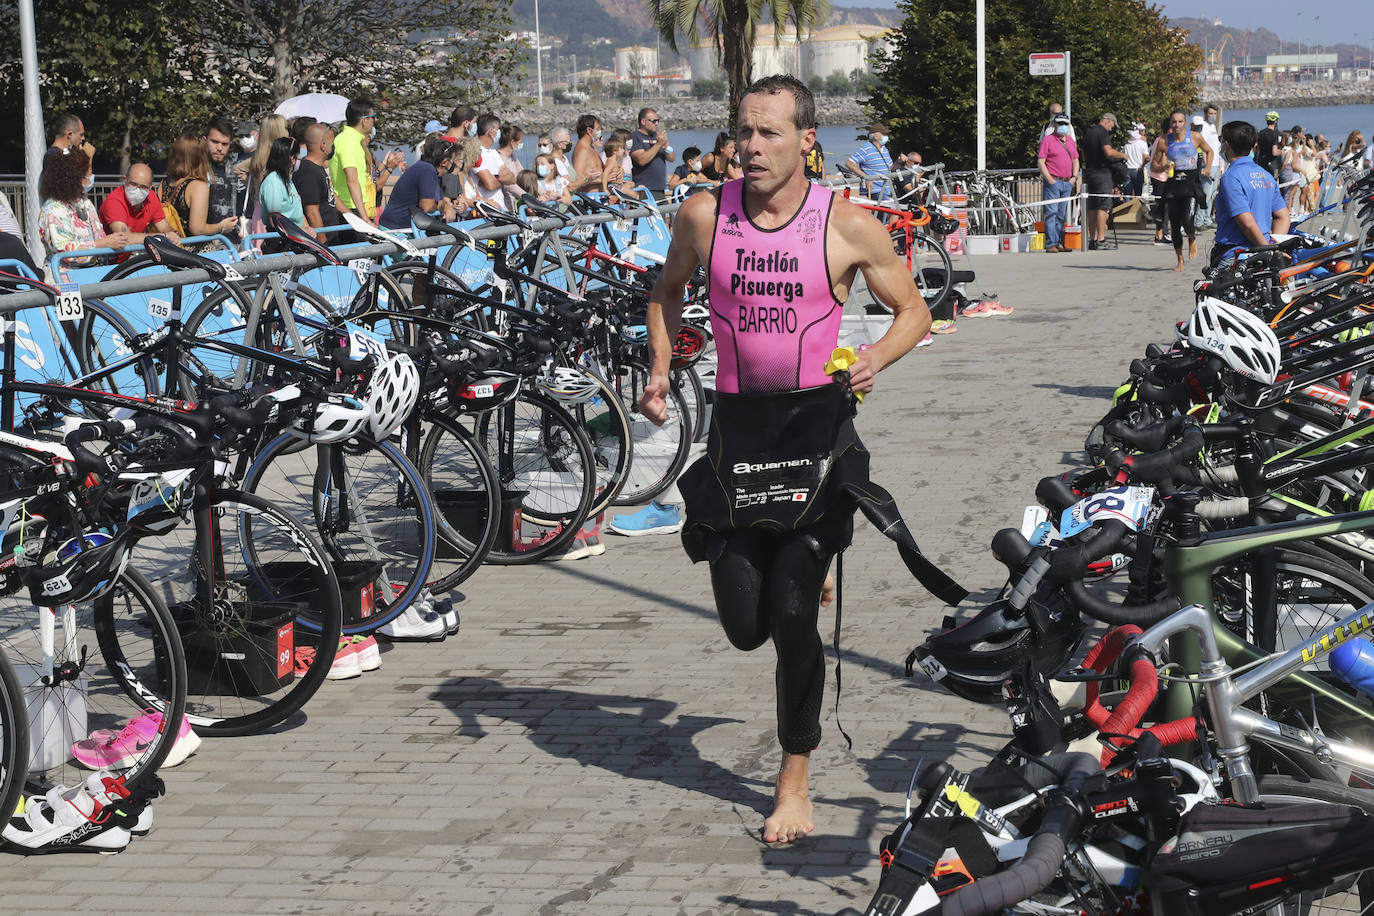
<point x="590" y="742"/>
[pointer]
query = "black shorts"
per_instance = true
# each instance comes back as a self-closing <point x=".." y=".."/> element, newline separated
<point x="1098" y="184"/>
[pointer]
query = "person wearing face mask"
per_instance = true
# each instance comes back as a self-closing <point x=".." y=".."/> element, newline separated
<point x="314" y="187"/>
<point x="351" y="167"/>
<point x="420" y="186"/>
<point x="872" y="159"/>
<point x="1137" y="151"/>
<point x="551" y="187"/>
<point x="512" y="140"/>
<point x="1249" y="207"/>
<point x="133" y="208"/>
<point x="1057" y="160"/>
<point x="68" y="220"/>
<point x="586" y="161"/>
<point x="491" y="173"/>
<point x="688" y="175"/>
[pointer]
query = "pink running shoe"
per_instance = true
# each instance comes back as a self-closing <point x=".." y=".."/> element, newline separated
<point x="369" y="656"/>
<point x="346" y="663"/>
<point x="120" y="751"/>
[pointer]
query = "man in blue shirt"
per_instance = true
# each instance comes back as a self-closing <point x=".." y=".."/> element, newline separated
<point x="872" y="159"/>
<point x="1249" y="207"/>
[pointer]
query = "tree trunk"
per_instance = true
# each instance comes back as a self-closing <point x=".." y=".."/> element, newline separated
<point x="126" y="145"/>
<point x="737" y="54"/>
<point x="283" y="69"/>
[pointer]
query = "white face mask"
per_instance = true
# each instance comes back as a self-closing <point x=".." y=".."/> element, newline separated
<point x="372" y="133"/>
<point x="248" y="143"/>
<point x="520" y="145"/>
<point x="543" y="171"/>
<point x="545" y="149"/>
<point x="596" y="137"/>
<point x="695" y="166"/>
<point x="135" y="196"/>
<point x="89" y="182"/>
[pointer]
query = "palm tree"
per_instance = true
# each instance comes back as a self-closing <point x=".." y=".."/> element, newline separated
<point x="733" y="27"/>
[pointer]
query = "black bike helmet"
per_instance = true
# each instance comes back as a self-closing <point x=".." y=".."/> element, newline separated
<point x="493" y="390"/>
<point x="79" y="570"/>
<point x="975" y="657"/>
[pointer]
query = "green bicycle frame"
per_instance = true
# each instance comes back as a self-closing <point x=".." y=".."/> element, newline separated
<point x="1188" y="569"/>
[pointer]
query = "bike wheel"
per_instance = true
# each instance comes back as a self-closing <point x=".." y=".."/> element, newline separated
<point x="242" y="581"/>
<point x="660" y="452"/>
<point x="467" y="500"/>
<point x="1353" y="894"/>
<point x="370" y="508"/>
<point x="435" y="292"/>
<point x="694" y="400"/>
<point x="547" y="474"/>
<point x="111" y="659"/>
<point x="223" y="317"/>
<point x="607" y="426"/>
<point x="14" y="737"/>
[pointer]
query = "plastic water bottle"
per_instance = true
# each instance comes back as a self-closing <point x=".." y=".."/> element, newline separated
<point x="1353" y="661"/>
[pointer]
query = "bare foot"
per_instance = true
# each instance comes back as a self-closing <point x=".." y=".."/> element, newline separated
<point x="1180" y="261"/>
<point x="791" y="817"/>
<point x="828" y="590"/>
<point x="1192" y="249"/>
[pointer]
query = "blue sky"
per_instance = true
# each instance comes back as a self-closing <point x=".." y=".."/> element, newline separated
<point x="1335" y="20"/>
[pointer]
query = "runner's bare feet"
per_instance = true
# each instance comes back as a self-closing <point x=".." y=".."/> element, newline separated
<point x="828" y="590"/>
<point x="791" y="817"/>
<point x="1192" y="249"/>
<point x="1180" y="262"/>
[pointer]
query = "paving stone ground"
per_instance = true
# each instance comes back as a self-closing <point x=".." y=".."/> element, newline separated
<point x="590" y="742"/>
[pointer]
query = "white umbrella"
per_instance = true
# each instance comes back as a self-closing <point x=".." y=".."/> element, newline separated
<point x="322" y="106"/>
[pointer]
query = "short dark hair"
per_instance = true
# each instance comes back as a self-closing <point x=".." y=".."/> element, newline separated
<point x="436" y="149"/>
<point x="460" y="114"/>
<point x="643" y="112"/>
<point x="222" y="123"/>
<point x="690" y="152"/>
<point x="300" y="125"/>
<point x="804" y="113"/>
<point x="1240" y="136"/>
<point x="357" y="110"/>
<point x="586" y="124"/>
<point x="486" y="123"/>
<point x="65" y="122"/>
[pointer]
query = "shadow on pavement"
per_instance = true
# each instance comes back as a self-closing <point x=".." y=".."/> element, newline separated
<point x="629" y="736"/>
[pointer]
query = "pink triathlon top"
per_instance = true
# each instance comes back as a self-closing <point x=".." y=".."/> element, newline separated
<point x="774" y="315"/>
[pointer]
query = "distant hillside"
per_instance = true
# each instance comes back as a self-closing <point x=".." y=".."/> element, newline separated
<point x="1252" y="42"/>
<point x="627" y="22"/>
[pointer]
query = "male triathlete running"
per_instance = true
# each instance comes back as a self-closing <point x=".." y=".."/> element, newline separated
<point x="781" y="254"/>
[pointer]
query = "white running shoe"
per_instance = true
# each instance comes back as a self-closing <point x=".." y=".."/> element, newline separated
<point x="65" y="820"/>
<point x="346" y="663"/>
<point x="415" y="625"/>
<point x="446" y="610"/>
<point x="369" y="656"/>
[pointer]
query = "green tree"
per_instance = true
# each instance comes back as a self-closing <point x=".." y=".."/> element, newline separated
<point x="708" y="88"/>
<point x="624" y="91"/>
<point x="732" y="25"/>
<point x="1125" y="59"/>
<point x="127" y="70"/>
<point x="412" y="56"/>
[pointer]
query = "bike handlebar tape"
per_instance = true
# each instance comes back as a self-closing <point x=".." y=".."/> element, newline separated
<point x="1044" y="854"/>
<point x="1054" y="494"/>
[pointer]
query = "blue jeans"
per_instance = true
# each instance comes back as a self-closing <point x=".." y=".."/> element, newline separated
<point x="1055" y="213"/>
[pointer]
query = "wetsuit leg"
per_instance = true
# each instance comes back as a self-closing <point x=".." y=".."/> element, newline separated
<point x="770" y="586"/>
<point x="1180" y="220"/>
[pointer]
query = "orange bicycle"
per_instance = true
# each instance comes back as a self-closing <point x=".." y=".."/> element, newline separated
<point x="917" y="234"/>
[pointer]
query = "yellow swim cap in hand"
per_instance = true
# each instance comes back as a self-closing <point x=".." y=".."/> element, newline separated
<point x="840" y="361"/>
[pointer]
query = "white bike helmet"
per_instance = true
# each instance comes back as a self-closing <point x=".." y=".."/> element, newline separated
<point x="695" y="311"/>
<point x="1242" y="339"/>
<point x="569" y="385"/>
<point x="333" y="418"/>
<point x="392" y="393"/>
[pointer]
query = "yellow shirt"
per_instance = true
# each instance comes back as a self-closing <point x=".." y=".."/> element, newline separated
<point x="350" y="152"/>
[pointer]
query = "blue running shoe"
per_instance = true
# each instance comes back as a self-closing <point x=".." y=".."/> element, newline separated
<point x="655" y="518"/>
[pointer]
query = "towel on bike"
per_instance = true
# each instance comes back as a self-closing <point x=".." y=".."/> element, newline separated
<point x="792" y="461"/>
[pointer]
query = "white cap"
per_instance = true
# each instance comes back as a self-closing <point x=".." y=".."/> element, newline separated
<point x="1198" y="120"/>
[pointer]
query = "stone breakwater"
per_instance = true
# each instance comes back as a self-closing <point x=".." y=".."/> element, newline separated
<point x="1242" y="95"/>
<point x="678" y="114"/>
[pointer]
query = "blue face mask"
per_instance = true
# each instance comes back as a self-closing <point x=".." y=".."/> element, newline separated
<point x="472" y="129"/>
<point x="543" y="171"/>
<point x="1061" y="129"/>
<point x="881" y="141"/>
<point x="520" y="145"/>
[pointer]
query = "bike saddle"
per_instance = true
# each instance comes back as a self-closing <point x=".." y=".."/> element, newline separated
<point x="497" y="215"/>
<point x="300" y="241"/>
<point x="535" y="205"/>
<point x="429" y="225"/>
<point x="164" y="252"/>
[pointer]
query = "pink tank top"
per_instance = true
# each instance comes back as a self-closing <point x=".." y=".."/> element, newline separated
<point x="774" y="315"/>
